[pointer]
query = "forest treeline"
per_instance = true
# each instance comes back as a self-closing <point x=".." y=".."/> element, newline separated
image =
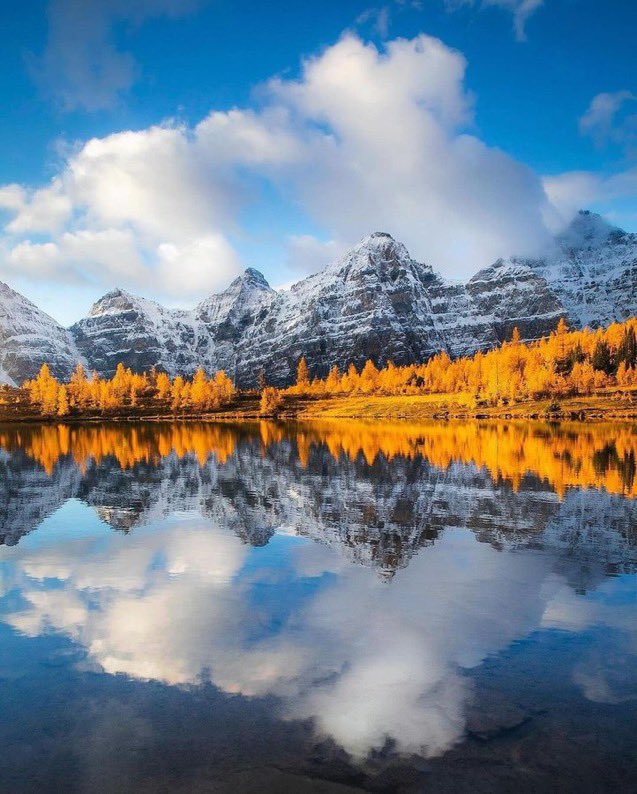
<point x="566" y="363"/>
<point x="126" y="389"/>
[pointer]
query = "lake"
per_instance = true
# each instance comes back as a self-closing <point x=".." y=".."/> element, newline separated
<point x="326" y="607"/>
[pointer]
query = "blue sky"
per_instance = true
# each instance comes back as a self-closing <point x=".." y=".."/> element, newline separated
<point x="165" y="148"/>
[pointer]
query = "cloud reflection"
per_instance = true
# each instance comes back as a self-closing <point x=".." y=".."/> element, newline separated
<point x="369" y="661"/>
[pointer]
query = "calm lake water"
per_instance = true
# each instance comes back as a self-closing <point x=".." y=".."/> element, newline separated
<point x="316" y="608"/>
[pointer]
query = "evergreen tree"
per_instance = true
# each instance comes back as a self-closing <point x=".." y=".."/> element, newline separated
<point x="602" y="359"/>
<point x="627" y="351"/>
<point x="163" y="386"/>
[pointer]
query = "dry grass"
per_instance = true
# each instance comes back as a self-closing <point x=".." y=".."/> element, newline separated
<point x="614" y="403"/>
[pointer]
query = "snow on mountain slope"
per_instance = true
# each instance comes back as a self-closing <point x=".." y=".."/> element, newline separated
<point x="138" y="332"/>
<point x="224" y="320"/>
<point x="28" y="338"/>
<point x="593" y="271"/>
<point x="512" y="294"/>
<point x="374" y="302"/>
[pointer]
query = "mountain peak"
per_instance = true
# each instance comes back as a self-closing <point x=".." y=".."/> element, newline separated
<point x="251" y="280"/>
<point x="113" y="302"/>
<point x="254" y="277"/>
<point x="375" y="240"/>
<point x="587" y="229"/>
<point x="7" y="292"/>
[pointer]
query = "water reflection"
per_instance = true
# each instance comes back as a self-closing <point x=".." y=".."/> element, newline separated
<point x="362" y="583"/>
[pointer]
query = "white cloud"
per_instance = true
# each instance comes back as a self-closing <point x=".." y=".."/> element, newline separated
<point x="573" y="190"/>
<point x="386" y="149"/>
<point x="81" y="65"/>
<point x="43" y="210"/>
<point x="199" y="262"/>
<point x="81" y="255"/>
<point x="603" y="124"/>
<point x="307" y="254"/>
<point x="40" y="260"/>
<point x="365" y="139"/>
<point x="143" y="210"/>
<point x="12" y="197"/>
<point x="249" y="137"/>
<point x="521" y="10"/>
<point x="155" y="180"/>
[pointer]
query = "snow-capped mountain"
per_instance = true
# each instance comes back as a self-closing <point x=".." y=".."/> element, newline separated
<point x="593" y="271"/>
<point x="377" y="515"/>
<point x="28" y="338"/>
<point x="374" y="302"/>
<point x="136" y="331"/>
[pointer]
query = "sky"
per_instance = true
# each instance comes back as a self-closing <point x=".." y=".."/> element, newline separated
<point x="162" y="146"/>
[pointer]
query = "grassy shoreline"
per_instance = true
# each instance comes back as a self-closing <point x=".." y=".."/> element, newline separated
<point x="619" y="405"/>
<point x="611" y="404"/>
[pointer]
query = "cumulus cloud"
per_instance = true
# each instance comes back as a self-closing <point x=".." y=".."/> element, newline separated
<point x="84" y="254"/>
<point x="82" y="66"/>
<point x="43" y="210"/>
<point x="365" y="139"/>
<point x="140" y="209"/>
<point x="572" y="190"/>
<point x="605" y="122"/>
<point x="386" y="148"/>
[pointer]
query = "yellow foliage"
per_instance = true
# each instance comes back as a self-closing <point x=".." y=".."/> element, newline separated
<point x="271" y="401"/>
<point x="556" y="366"/>
<point x="565" y="456"/>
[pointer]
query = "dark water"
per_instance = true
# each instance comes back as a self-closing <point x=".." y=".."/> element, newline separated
<point x="351" y="607"/>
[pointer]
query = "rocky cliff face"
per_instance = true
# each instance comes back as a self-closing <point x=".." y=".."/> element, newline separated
<point x="510" y="293"/>
<point x="593" y="271"/>
<point x="375" y="302"/>
<point x="28" y="338"/>
<point x="138" y="332"/>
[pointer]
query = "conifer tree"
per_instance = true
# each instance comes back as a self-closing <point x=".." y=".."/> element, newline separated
<point x="162" y="386"/>
<point x="199" y="390"/>
<point x="302" y="374"/>
<point x="62" y="401"/>
<point x="271" y="401"/>
<point x="602" y="359"/>
<point x="176" y="393"/>
<point x="627" y="351"/>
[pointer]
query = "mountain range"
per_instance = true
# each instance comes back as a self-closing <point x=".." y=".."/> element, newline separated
<point x="374" y="302"/>
<point x="378" y="515"/>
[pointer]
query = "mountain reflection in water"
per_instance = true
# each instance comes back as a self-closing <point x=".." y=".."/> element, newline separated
<point x="377" y="592"/>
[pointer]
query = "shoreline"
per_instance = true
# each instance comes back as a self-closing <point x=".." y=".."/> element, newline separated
<point x="613" y="404"/>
